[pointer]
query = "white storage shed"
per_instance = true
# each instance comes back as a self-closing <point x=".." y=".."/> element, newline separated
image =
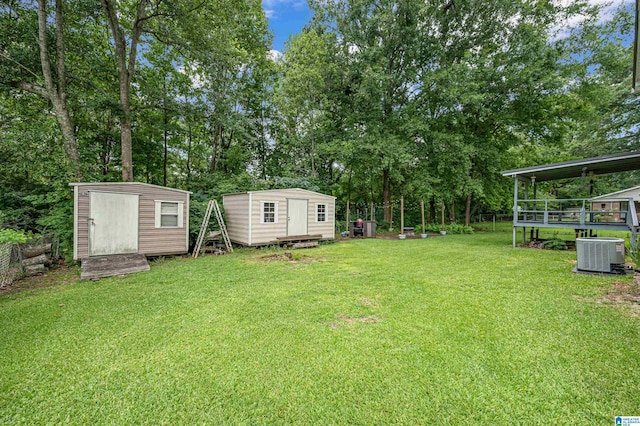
<point x="257" y="218"/>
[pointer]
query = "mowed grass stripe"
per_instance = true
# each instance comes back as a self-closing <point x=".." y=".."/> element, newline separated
<point x="454" y="330"/>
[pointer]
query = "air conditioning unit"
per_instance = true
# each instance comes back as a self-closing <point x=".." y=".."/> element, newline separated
<point x="604" y="255"/>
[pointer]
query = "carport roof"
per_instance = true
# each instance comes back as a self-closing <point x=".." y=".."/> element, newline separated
<point x="603" y="165"/>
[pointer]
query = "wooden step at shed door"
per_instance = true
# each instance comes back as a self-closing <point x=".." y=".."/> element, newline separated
<point x="108" y="266"/>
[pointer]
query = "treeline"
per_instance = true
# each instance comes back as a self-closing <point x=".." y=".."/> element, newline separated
<point x="373" y="100"/>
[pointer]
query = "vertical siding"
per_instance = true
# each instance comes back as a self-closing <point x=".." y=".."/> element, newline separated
<point x="151" y="241"/>
<point x="236" y="210"/>
<point x="269" y="232"/>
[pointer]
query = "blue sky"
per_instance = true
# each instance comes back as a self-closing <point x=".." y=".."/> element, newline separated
<point x="286" y="17"/>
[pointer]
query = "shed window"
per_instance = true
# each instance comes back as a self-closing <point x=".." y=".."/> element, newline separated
<point x="169" y="214"/>
<point x="268" y="212"/>
<point x="321" y="212"/>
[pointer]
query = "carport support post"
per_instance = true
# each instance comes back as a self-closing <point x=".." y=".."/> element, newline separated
<point x="402" y="215"/>
<point x="515" y="208"/>
<point x="424" y="231"/>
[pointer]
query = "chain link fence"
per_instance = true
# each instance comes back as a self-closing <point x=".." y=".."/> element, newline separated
<point x="488" y="221"/>
<point x="8" y="269"/>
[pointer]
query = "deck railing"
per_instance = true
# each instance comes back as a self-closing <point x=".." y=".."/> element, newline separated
<point x="581" y="211"/>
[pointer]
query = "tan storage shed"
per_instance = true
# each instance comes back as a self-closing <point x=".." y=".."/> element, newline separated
<point x="257" y="218"/>
<point x="129" y="217"/>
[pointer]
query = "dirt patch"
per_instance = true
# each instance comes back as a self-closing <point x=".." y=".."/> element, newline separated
<point x="288" y="257"/>
<point x="365" y="301"/>
<point x="622" y="294"/>
<point x="371" y="319"/>
<point x="64" y="274"/>
<point x="625" y="295"/>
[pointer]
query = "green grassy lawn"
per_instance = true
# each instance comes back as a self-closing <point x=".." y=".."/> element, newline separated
<point x="460" y="329"/>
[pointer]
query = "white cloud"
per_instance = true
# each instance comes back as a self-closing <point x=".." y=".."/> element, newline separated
<point x="271" y="7"/>
<point x="274" y="55"/>
<point x="607" y="11"/>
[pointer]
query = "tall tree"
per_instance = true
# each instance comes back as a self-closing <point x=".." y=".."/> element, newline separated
<point x="126" y="58"/>
<point x="51" y="80"/>
<point x="375" y="41"/>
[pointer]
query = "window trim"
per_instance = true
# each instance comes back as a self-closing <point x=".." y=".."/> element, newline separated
<point x="275" y="212"/>
<point x="326" y="212"/>
<point x="158" y="214"/>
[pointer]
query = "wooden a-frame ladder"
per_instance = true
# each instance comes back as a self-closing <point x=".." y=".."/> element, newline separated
<point x="215" y="208"/>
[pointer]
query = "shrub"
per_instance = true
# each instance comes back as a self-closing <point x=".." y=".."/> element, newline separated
<point x="555" y="243"/>
<point x="12" y="236"/>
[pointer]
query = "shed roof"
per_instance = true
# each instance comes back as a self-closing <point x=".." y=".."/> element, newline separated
<point x="280" y="189"/>
<point x="127" y="183"/>
<point x="614" y="194"/>
<point x="602" y="165"/>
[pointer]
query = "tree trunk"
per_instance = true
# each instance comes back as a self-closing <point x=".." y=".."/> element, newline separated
<point x="214" y="147"/>
<point x="452" y="213"/>
<point x="106" y="147"/>
<point x="467" y="211"/>
<point x="386" y="194"/>
<point x="189" y="157"/>
<point x="126" y="68"/>
<point x="68" y="133"/>
<point x="126" y="148"/>
<point x="57" y="94"/>
<point x="164" y="134"/>
<point x="33" y="251"/>
<point x="40" y="259"/>
<point x="313" y="155"/>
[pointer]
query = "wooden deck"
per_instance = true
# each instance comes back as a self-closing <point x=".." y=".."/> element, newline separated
<point x="577" y="214"/>
<point x="299" y="238"/>
<point x="108" y="266"/>
<point x="300" y="241"/>
<point x="574" y="213"/>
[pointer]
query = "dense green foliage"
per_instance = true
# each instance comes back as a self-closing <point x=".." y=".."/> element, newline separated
<point x="12" y="236"/>
<point x="460" y="329"/>
<point x="373" y="100"/>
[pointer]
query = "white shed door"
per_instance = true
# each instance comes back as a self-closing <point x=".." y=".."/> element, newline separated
<point x="113" y="223"/>
<point x="297" y="216"/>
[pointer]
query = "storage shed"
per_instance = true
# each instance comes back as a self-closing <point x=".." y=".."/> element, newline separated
<point x="112" y="218"/>
<point x="261" y="217"/>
